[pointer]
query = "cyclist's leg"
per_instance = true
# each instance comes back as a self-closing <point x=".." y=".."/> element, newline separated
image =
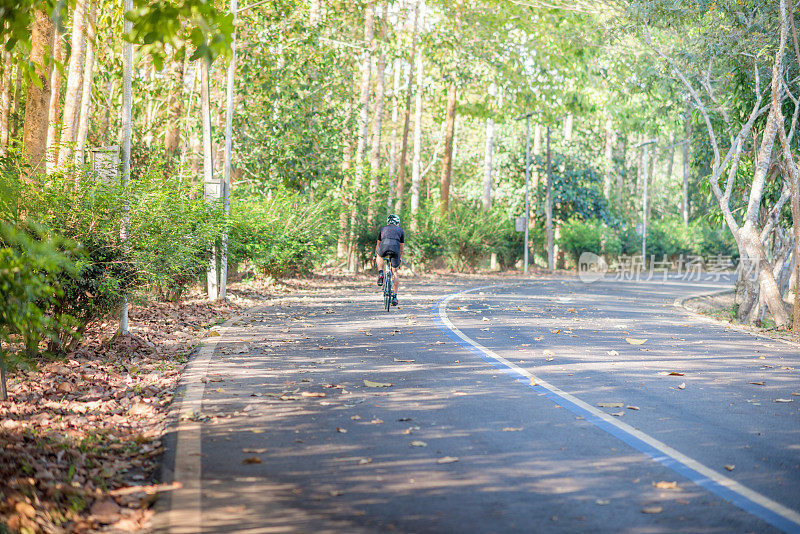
<point x="379" y="263"/>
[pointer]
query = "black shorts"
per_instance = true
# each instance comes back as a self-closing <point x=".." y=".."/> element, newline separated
<point x="390" y="253"/>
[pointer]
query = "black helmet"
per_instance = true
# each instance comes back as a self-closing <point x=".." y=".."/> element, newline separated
<point x="393" y="219"/>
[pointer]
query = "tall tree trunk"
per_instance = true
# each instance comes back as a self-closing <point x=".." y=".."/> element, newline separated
<point x="687" y="131"/>
<point x="55" y="103"/>
<point x="393" y="142"/>
<point x="568" y="120"/>
<point x="609" y="159"/>
<point x="537" y="139"/>
<point x="88" y="77"/>
<point x="487" y="158"/>
<point x="35" y="127"/>
<point x="363" y="124"/>
<point x="377" y="123"/>
<point x="641" y="165"/>
<point x="347" y="163"/>
<point x="5" y="103"/>
<point x="401" y="173"/>
<point x="416" y="171"/>
<point x="671" y="157"/>
<point x="74" y="84"/>
<point x="17" y="103"/>
<point x="314" y="12"/>
<point x="450" y="122"/>
<point x="622" y="174"/>
<point x="172" y="135"/>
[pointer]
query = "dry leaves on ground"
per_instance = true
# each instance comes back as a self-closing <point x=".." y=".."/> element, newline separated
<point x="77" y="431"/>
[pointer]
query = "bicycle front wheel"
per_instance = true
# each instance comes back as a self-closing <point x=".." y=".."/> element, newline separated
<point x="387" y="291"/>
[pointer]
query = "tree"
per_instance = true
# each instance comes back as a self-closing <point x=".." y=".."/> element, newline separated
<point x="447" y="157"/>
<point x="72" y="96"/>
<point x="36" y="108"/>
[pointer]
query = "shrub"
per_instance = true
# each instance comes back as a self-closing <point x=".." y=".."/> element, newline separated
<point x="579" y="236"/>
<point x="171" y="231"/>
<point x="281" y="234"/>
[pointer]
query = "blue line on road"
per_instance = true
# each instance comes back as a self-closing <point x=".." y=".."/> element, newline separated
<point x="748" y="500"/>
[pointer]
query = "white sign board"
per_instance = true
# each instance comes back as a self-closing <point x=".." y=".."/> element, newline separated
<point x="105" y="162"/>
<point x="519" y="224"/>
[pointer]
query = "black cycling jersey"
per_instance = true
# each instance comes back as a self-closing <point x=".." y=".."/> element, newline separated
<point x="391" y="235"/>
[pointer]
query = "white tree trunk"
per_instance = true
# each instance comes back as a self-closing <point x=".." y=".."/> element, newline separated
<point x="609" y="159"/>
<point x="395" y="128"/>
<point x="86" y="93"/>
<point x="417" y="161"/>
<point x="377" y="124"/>
<point x="5" y="103"/>
<point x="74" y="84"/>
<point x="568" y="128"/>
<point x="487" y="157"/>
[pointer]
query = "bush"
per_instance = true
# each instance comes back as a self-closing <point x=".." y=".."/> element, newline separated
<point x="172" y="229"/>
<point x="29" y="267"/>
<point x="281" y="234"/>
<point x="579" y="236"/>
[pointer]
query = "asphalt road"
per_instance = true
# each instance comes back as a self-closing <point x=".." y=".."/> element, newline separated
<point x="300" y="431"/>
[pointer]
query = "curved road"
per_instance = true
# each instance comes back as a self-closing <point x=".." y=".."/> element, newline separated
<point x="538" y="405"/>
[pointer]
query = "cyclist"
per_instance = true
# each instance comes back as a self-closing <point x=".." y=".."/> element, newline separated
<point x="391" y="242"/>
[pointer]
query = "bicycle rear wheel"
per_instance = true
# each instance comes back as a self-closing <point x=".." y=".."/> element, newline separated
<point x="387" y="290"/>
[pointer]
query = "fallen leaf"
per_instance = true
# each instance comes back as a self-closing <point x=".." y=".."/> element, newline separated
<point x="355" y="417"/>
<point x="403" y="361"/>
<point x="634" y="341"/>
<point x="25" y="509"/>
<point x="334" y="493"/>
<point x="610" y="404"/>
<point x="65" y="387"/>
<point x="730" y="467"/>
<point x="252" y="460"/>
<point x="105" y="511"/>
<point x="618" y="414"/>
<point x="447" y="460"/>
<point x="548" y="352"/>
<point x="758" y="383"/>
<point x="783" y="400"/>
<point x="666" y="485"/>
<point x="682" y="385"/>
<point x="254" y="451"/>
<point x="364" y="461"/>
<point x="341" y="430"/>
<point x="636" y="408"/>
<point x="675" y="373"/>
<point x="555" y="331"/>
<point x="602" y="502"/>
<point x="612" y="353"/>
<point x="417" y="443"/>
<point x="652" y="510"/>
<point x="512" y="429"/>
<point x="371" y="384"/>
<point x="376" y="421"/>
<point x="312" y="394"/>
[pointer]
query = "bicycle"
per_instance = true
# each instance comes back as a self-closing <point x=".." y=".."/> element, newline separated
<point x="388" y="288"/>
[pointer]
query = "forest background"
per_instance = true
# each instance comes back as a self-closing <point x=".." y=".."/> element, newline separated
<point x="346" y="111"/>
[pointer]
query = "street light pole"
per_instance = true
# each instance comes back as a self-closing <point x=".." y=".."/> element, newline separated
<point x="646" y="145"/>
<point x="527" y="185"/>
<point x="548" y="207"/>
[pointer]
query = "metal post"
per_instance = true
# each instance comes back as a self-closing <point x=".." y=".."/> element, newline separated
<point x="548" y="207"/>
<point x="644" y="209"/>
<point x="527" y="186"/>
<point x="226" y="171"/>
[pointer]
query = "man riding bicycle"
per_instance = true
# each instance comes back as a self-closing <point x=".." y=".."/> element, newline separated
<point x="391" y="242"/>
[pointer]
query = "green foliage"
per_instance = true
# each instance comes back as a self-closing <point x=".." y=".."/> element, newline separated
<point x="464" y="237"/>
<point x="578" y="236"/>
<point x="30" y="265"/>
<point x="279" y="234"/>
<point x="157" y="23"/>
<point x="171" y="231"/>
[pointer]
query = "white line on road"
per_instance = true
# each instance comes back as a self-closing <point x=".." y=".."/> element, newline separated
<point x="749" y="500"/>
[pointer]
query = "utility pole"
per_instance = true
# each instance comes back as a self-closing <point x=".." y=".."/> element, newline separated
<point x="226" y="171"/>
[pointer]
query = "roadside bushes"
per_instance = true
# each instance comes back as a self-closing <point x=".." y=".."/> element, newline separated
<point x="279" y="234"/>
<point x="465" y="236"/>
<point x="578" y="236"/>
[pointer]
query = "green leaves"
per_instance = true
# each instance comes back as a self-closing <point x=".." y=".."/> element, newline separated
<point x="160" y="23"/>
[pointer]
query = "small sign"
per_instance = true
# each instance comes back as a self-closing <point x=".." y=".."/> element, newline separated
<point x="105" y="162"/>
<point x="519" y="223"/>
<point x="639" y="228"/>
<point x="213" y="189"/>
